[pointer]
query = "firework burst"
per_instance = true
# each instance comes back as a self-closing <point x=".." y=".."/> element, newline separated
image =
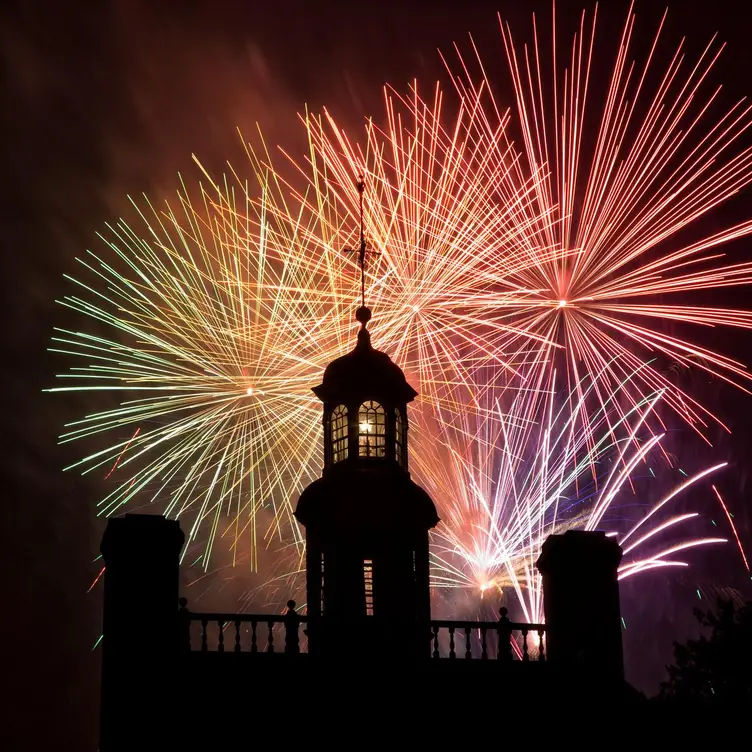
<point x="621" y="172"/>
<point x="504" y="486"/>
<point x="213" y="423"/>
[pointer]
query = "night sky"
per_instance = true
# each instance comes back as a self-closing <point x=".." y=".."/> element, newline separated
<point x="101" y="100"/>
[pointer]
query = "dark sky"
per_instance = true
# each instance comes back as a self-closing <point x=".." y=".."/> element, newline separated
<point x="105" y="99"/>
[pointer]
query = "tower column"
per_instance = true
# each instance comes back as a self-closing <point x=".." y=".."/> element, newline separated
<point x="140" y="639"/>
<point x="581" y="602"/>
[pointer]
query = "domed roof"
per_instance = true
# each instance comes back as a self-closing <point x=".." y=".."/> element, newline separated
<point x="364" y="373"/>
<point x="366" y="498"/>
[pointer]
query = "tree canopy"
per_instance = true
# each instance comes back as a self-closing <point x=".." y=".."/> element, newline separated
<point x="718" y="665"/>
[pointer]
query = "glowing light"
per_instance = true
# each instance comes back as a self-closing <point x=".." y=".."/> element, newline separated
<point x="562" y="303"/>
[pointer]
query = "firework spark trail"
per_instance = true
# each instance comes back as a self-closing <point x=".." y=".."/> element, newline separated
<point x="733" y="527"/>
<point x="119" y="457"/>
<point x="616" y="184"/>
<point x="96" y="580"/>
<point x="502" y="488"/>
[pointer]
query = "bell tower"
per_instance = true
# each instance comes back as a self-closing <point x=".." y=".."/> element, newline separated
<point x="366" y="521"/>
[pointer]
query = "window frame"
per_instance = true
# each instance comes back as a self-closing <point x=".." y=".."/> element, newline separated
<point x="372" y="443"/>
<point x="368" y="586"/>
<point x="400" y="438"/>
<point x="339" y="434"/>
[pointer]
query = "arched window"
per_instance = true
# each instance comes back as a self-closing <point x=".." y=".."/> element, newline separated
<point x="371" y="430"/>
<point x="339" y="433"/>
<point x="399" y="438"/>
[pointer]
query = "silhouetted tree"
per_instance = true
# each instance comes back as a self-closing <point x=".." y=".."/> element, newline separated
<point x="718" y="666"/>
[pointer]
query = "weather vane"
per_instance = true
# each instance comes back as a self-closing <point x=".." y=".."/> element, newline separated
<point x="362" y="249"/>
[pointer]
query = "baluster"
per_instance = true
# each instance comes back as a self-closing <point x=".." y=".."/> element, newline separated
<point x="525" y="654"/>
<point x="484" y="647"/>
<point x="504" y="631"/>
<point x="254" y="642"/>
<point x="237" y="635"/>
<point x="221" y="636"/>
<point x="468" y="652"/>
<point x="435" y="629"/>
<point x="184" y="626"/>
<point x="541" y="646"/>
<point x="270" y="641"/>
<point x="204" y="646"/>
<point x="292" y="641"/>
<point x="452" y="654"/>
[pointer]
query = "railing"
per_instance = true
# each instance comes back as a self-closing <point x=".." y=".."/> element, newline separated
<point x="246" y="631"/>
<point x="502" y="640"/>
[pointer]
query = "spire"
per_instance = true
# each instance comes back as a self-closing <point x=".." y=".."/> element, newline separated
<point x="362" y="250"/>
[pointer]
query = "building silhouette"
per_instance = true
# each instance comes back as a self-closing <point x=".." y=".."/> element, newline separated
<point x="169" y="675"/>
<point x="366" y="521"/>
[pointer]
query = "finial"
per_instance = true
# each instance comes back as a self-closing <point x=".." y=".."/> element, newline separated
<point x="363" y="314"/>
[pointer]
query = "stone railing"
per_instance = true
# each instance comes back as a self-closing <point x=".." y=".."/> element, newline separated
<point x="241" y="633"/>
<point x="501" y="640"/>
